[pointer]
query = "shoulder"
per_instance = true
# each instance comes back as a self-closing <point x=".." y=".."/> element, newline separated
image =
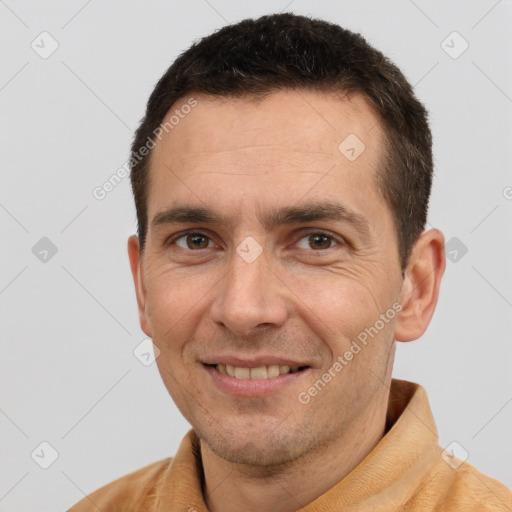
<point x="473" y="490"/>
<point x="464" y="488"/>
<point x="135" y="491"/>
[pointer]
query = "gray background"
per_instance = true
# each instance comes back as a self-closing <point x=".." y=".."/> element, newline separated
<point x="69" y="324"/>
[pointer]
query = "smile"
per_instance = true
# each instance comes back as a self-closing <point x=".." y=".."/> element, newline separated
<point x="259" y="372"/>
<point x="254" y="381"/>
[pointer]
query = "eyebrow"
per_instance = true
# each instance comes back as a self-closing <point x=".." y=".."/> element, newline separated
<point x="309" y="212"/>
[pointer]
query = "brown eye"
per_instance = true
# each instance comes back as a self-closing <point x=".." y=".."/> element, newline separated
<point x="193" y="241"/>
<point x="319" y="241"/>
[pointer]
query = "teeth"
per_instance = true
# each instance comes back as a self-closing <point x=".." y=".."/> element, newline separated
<point x="273" y="371"/>
<point x="242" y="373"/>
<point x="260" y="372"/>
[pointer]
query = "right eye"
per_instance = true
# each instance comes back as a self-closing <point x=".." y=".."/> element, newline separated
<point x="193" y="240"/>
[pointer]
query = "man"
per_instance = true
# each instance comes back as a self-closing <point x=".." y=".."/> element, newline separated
<point x="281" y="177"/>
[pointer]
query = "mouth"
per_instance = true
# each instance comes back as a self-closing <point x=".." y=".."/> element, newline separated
<point x="255" y="381"/>
<point x="256" y="373"/>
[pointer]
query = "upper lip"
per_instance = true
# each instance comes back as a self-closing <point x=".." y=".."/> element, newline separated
<point x="254" y="362"/>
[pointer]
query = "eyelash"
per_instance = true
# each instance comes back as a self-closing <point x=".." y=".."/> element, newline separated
<point x="340" y="241"/>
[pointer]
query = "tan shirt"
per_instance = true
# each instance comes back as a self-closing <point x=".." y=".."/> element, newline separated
<point x="405" y="471"/>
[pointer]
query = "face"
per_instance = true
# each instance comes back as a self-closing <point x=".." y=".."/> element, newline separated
<point x="269" y="245"/>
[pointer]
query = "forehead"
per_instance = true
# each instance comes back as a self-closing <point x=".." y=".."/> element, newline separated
<point x="303" y="120"/>
<point x="284" y="146"/>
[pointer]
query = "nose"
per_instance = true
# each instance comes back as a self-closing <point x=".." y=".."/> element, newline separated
<point x="250" y="296"/>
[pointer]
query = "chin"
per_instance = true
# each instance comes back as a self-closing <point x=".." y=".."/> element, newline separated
<point x="261" y="447"/>
<point x="252" y="454"/>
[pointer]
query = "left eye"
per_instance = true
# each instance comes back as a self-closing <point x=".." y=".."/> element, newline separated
<point x="317" y="240"/>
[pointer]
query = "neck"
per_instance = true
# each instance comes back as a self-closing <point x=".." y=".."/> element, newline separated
<point x="303" y="480"/>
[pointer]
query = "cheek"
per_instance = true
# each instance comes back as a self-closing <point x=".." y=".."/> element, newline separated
<point x="173" y="307"/>
<point x="337" y="308"/>
<point x="342" y="313"/>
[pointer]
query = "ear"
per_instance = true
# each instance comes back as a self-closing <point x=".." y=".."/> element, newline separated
<point x="420" y="288"/>
<point x="138" y="279"/>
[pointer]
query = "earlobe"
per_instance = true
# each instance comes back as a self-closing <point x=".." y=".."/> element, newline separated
<point x="138" y="280"/>
<point x="421" y="284"/>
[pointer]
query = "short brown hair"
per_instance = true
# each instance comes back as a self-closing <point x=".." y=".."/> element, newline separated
<point x="287" y="51"/>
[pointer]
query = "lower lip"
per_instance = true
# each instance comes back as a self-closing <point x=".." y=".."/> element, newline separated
<point x="252" y="387"/>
